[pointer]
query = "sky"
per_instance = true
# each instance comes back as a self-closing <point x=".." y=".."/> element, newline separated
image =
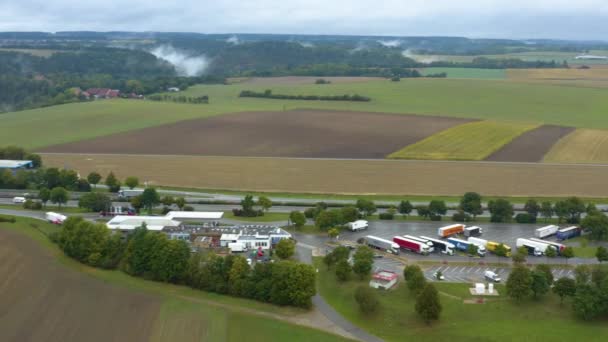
<point x="560" y="19"/>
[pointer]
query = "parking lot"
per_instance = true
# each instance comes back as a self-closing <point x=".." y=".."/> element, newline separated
<point x="471" y="274"/>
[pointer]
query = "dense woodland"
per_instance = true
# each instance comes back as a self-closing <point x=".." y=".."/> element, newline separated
<point x="122" y="60"/>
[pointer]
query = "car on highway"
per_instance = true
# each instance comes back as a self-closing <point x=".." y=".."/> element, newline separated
<point x="19" y="200"/>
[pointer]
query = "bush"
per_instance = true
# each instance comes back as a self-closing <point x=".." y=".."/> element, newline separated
<point x="525" y="218"/>
<point x="32" y="205"/>
<point x="435" y="217"/>
<point x="310" y="213"/>
<point x="386" y="216"/>
<point x="461" y="216"/>
<point x="9" y="219"/>
<point x="241" y="213"/>
<point x="188" y="208"/>
<point x="343" y="270"/>
<point x="367" y="299"/>
<point x="166" y="210"/>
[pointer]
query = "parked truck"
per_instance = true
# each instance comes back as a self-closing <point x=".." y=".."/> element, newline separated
<point x="441" y="246"/>
<point x="568" y="233"/>
<point x="357" y="225"/>
<point x="463" y="245"/>
<point x="473" y="231"/>
<point x="491" y="247"/>
<point x="423" y="240"/>
<point x="492" y="276"/>
<point x="411" y="245"/>
<point x="55" y="217"/>
<point x="558" y="246"/>
<point x="129" y="193"/>
<point x="450" y="230"/>
<point x="382" y="244"/>
<point x="546" y="231"/>
<point x="237" y="247"/>
<point x="534" y="247"/>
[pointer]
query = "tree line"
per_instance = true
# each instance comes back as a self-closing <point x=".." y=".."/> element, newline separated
<point x="267" y="94"/>
<point x="180" y="99"/>
<point x="153" y="256"/>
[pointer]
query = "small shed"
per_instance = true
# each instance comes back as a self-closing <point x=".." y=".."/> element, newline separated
<point x="383" y="280"/>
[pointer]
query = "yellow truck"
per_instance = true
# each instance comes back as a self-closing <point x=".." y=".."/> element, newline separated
<point x="491" y="247"/>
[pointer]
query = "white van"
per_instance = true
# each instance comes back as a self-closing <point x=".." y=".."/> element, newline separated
<point x="492" y="276"/>
<point x="357" y="225"/>
<point x="18" y="200"/>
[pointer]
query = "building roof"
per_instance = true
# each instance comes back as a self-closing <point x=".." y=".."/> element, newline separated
<point x="194" y="215"/>
<point x="230" y="237"/>
<point x="14" y="164"/>
<point x="385" y="275"/>
<point x="155" y="223"/>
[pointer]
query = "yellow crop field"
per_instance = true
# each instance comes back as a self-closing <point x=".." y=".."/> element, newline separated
<point x="596" y="76"/>
<point x="471" y="141"/>
<point x="581" y="146"/>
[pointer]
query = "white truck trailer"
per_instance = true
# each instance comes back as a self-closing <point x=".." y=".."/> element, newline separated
<point x="237" y="247"/>
<point x="535" y="248"/>
<point x="357" y="225"/>
<point x="546" y="231"/>
<point x="55" y="217"/>
<point x="431" y="248"/>
<point x="382" y="244"/>
<point x="441" y="245"/>
<point x="473" y="231"/>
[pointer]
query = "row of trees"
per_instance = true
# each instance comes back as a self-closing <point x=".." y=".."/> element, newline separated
<point x="19" y="153"/>
<point x="269" y="95"/>
<point x="248" y="206"/>
<point x="588" y="290"/>
<point x="153" y="256"/>
<point x="180" y="99"/>
<point x="362" y="262"/>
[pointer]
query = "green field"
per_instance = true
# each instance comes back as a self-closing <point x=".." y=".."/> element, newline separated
<point x="471" y="141"/>
<point x="482" y="99"/>
<point x="475" y="73"/>
<point x="499" y="319"/>
<point x="546" y="56"/>
<point x="187" y="314"/>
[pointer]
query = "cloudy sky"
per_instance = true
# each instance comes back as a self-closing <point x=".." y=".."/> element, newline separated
<point x="568" y="19"/>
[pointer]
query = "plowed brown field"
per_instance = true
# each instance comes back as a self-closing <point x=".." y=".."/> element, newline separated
<point x="532" y="145"/>
<point x="298" y="133"/>
<point x="41" y="300"/>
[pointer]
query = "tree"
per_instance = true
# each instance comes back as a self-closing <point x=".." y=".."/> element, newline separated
<point x="247" y="204"/>
<point x="285" y="249"/>
<point x="501" y="250"/>
<point x="437" y="209"/>
<point x="265" y="203"/>
<point x="95" y="201"/>
<point x="428" y="306"/>
<point x="470" y="203"/>
<point x="131" y="182"/>
<point x="180" y="202"/>
<point x="363" y="261"/>
<point x="366" y="207"/>
<point x="414" y="278"/>
<point x="68" y="179"/>
<point x="568" y="252"/>
<point x="532" y="208"/>
<point x="582" y="274"/>
<point x="591" y="209"/>
<point x="501" y="210"/>
<point x="333" y="233"/>
<point x="328" y="219"/>
<point x="339" y="253"/>
<point x="44" y="195"/>
<point x="59" y="196"/>
<point x="550" y="253"/>
<point x="519" y="257"/>
<point x="343" y="270"/>
<point x="587" y="302"/>
<point x="94" y="178"/>
<point x="601" y="254"/>
<point x="540" y="284"/>
<point x="598" y="275"/>
<point x="597" y="225"/>
<point x="519" y="283"/>
<point x="150" y="199"/>
<point x="472" y="249"/>
<point x="561" y="211"/>
<point x="297" y="219"/>
<point x="349" y="213"/>
<point x="51" y="178"/>
<point x="564" y="287"/>
<point x="574" y="208"/>
<point x="423" y="211"/>
<point x="238" y="275"/>
<point x="546" y="210"/>
<point x="367" y="299"/>
<point x="405" y="208"/>
<point x="136" y="203"/>
<point x="168" y="200"/>
<point x="112" y="182"/>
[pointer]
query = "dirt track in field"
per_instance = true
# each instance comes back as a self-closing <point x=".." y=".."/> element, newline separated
<point x="298" y="80"/>
<point x="532" y="145"/>
<point x="41" y="300"/>
<point x="298" y="133"/>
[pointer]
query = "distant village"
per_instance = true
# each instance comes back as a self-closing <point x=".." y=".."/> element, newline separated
<point x="107" y="93"/>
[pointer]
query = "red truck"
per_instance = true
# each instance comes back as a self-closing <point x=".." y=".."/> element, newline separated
<point x="411" y="245"/>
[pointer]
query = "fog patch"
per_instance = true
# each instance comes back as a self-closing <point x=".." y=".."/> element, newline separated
<point x="185" y="64"/>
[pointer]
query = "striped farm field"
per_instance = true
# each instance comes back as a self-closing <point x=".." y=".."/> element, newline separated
<point x="581" y="146"/>
<point x="471" y="141"/>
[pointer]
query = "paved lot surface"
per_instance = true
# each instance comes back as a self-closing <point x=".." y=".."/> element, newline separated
<point x="468" y="274"/>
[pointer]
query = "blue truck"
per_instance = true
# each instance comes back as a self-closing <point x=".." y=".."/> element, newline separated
<point x="463" y="245"/>
<point x="568" y="233"/>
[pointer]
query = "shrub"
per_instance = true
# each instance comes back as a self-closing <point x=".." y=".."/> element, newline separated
<point x="525" y="218"/>
<point x="461" y="216"/>
<point x="386" y="216"/>
<point x="242" y="213"/>
<point x="367" y="299"/>
<point x="165" y="210"/>
<point x="188" y="208"/>
<point x="9" y="219"/>
<point x="310" y="213"/>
